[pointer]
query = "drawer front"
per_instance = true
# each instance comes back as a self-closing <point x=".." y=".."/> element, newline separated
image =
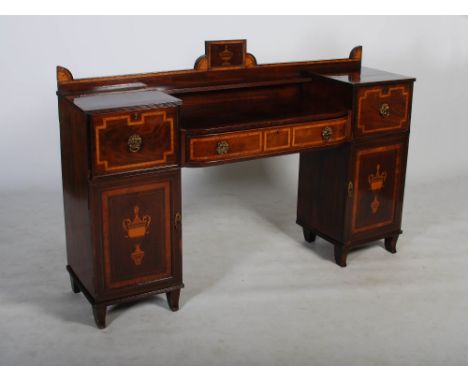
<point x="277" y="139"/>
<point x="226" y="146"/>
<point x="140" y="232"/>
<point x="319" y="134"/>
<point x="134" y="140"/>
<point x="270" y="141"/>
<point x="383" y="109"/>
<point x="377" y="196"/>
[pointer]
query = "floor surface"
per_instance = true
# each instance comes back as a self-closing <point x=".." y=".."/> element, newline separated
<point x="256" y="293"/>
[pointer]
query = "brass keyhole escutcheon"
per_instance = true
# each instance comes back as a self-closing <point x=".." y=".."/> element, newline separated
<point x="177" y="220"/>
<point x="350" y="189"/>
<point x="384" y="110"/>
<point x="327" y="133"/>
<point x="134" y="143"/>
<point x="222" y="147"/>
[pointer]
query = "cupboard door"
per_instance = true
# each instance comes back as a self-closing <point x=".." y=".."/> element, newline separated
<point x="140" y="230"/>
<point x="378" y="188"/>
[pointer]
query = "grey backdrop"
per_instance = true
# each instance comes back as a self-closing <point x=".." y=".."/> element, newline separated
<point x="255" y="293"/>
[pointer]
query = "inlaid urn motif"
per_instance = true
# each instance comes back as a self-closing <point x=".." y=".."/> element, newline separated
<point x="376" y="183"/>
<point x="136" y="229"/>
<point x="226" y="56"/>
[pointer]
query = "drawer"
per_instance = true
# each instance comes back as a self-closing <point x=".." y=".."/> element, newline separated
<point x="383" y="108"/>
<point x="134" y="140"/>
<point x="319" y="134"/>
<point x="267" y="141"/>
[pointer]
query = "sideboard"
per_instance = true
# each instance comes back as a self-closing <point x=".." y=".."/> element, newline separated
<point x="124" y="140"/>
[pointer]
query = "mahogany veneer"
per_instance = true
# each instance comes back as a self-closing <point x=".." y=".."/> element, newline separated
<point x="125" y="138"/>
<point x="265" y="141"/>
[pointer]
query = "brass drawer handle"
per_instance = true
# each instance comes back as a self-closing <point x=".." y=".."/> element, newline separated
<point x="134" y="143"/>
<point x="177" y="220"/>
<point x="384" y="110"/>
<point x="327" y="133"/>
<point x="222" y="147"/>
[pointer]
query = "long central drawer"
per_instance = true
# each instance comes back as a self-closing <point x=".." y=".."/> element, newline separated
<point x="265" y="141"/>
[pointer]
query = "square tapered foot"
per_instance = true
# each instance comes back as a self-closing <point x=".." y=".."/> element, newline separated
<point x="341" y="255"/>
<point x="173" y="299"/>
<point x="99" y="313"/>
<point x="309" y="236"/>
<point x="390" y="243"/>
<point x="74" y="285"/>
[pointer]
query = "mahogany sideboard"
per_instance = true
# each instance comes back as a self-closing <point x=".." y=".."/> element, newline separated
<point x="125" y="138"/>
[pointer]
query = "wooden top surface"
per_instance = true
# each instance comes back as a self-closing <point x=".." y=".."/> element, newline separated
<point x="367" y="76"/>
<point x="107" y="101"/>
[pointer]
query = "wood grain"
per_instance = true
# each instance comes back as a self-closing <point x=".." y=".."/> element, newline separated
<point x="124" y="140"/>
<point x="262" y="142"/>
<point x="158" y="133"/>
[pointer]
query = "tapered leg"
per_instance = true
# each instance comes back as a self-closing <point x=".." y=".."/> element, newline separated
<point x="341" y="254"/>
<point x="390" y="243"/>
<point x="99" y="312"/>
<point x="308" y="235"/>
<point x="74" y="285"/>
<point x="173" y="299"/>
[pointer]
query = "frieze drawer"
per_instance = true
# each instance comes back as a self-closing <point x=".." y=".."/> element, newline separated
<point x="262" y="142"/>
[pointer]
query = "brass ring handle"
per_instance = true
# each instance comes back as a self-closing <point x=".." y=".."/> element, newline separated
<point x="222" y="147"/>
<point x="384" y="110"/>
<point x="134" y="143"/>
<point x="327" y="133"/>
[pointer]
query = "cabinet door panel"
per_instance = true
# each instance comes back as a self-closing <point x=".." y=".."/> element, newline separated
<point x="378" y="174"/>
<point x="139" y="239"/>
